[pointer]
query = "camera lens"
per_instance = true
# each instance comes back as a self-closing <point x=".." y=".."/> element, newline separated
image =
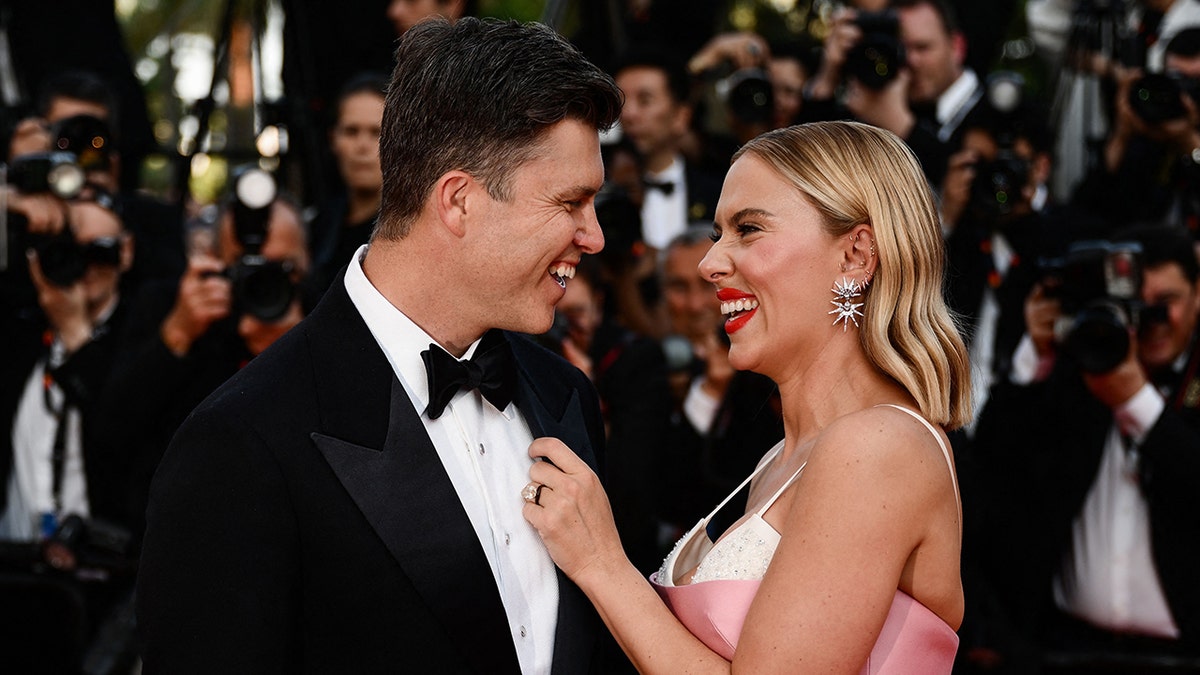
<point x="263" y="288"/>
<point x="1099" y="338"/>
<point x="996" y="189"/>
<point x="878" y="57"/>
<point x="1155" y="98"/>
<point x="61" y="259"/>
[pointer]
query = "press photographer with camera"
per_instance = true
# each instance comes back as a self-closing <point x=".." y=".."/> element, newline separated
<point x="53" y="468"/>
<point x="188" y="337"/>
<point x="1151" y="157"/>
<point x="999" y="219"/>
<point x="1088" y="461"/>
<point x="68" y="147"/>
<point x="902" y="69"/>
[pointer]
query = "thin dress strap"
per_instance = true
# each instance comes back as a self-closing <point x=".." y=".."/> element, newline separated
<point x="786" y="484"/>
<point x="941" y="444"/>
<point x="757" y="470"/>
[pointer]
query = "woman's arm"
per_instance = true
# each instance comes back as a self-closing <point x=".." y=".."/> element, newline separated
<point x="874" y="511"/>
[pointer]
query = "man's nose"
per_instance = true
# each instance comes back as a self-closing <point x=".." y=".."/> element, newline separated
<point x="589" y="237"/>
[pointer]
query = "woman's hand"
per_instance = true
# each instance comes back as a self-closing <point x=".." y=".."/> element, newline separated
<point x="572" y="514"/>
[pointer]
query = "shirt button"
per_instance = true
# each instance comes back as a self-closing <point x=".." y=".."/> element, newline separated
<point x="482" y="450"/>
<point x="506" y="538"/>
<point x="522" y="631"/>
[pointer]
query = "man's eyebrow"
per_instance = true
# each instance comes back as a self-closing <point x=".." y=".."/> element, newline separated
<point x="577" y="191"/>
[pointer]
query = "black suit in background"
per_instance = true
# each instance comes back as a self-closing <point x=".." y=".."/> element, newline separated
<point x="1037" y="449"/>
<point x="48" y="618"/>
<point x="703" y="466"/>
<point x="302" y="521"/>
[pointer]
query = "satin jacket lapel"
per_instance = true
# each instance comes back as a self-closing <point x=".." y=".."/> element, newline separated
<point x="404" y="492"/>
<point x="554" y="410"/>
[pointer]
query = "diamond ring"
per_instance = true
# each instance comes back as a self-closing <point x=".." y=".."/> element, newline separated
<point x="532" y="492"/>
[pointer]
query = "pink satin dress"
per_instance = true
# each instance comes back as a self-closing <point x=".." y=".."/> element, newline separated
<point x="714" y="605"/>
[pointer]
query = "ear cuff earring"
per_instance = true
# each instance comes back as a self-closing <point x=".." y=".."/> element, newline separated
<point x="845" y="291"/>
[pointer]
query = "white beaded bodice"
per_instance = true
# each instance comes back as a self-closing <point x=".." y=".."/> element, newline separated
<point x="743" y="553"/>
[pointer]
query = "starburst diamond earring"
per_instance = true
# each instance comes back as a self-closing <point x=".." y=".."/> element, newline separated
<point x="845" y="309"/>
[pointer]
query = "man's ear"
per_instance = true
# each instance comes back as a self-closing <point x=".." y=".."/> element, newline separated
<point x="960" y="47"/>
<point x="450" y="198"/>
<point x="859" y="258"/>
<point x="127" y="248"/>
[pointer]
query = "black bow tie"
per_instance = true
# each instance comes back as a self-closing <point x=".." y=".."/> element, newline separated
<point x="666" y="186"/>
<point x="491" y="370"/>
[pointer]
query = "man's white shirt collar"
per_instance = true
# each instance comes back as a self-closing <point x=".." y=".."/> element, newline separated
<point x="401" y="340"/>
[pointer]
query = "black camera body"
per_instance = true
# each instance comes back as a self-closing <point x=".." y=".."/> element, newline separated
<point x="1157" y="97"/>
<point x="56" y="172"/>
<point x="1099" y="285"/>
<point x="64" y="260"/>
<point x="749" y="97"/>
<point x="262" y="288"/>
<point x="88" y="138"/>
<point x="621" y="221"/>
<point x="878" y="57"/>
<point x="996" y="188"/>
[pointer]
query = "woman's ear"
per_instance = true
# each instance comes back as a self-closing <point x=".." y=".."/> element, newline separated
<point x="860" y="259"/>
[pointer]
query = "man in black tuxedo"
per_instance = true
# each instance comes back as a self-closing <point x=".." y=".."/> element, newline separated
<point x="327" y="509"/>
<point x="1089" y="477"/>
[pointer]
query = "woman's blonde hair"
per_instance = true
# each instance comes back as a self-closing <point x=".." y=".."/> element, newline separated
<point x="853" y="173"/>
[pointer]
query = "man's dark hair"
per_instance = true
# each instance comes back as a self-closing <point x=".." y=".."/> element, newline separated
<point x="1186" y="43"/>
<point x="80" y="85"/>
<point x="672" y="66"/>
<point x="943" y="9"/>
<point x="477" y="95"/>
<point x="1163" y="245"/>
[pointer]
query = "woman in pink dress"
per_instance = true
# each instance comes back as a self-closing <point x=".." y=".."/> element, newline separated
<point x="828" y="261"/>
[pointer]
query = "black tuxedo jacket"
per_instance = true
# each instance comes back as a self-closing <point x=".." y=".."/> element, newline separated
<point x="82" y="377"/>
<point x="301" y="521"/>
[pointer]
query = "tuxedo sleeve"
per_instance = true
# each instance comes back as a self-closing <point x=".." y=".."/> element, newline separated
<point x="217" y="588"/>
<point x="1170" y="476"/>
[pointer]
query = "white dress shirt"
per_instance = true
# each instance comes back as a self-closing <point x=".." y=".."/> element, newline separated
<point x="485" y="454"/>
<point x="956" y="102"/>
<point x="31" y="483"/>
<point x="664" y="217"/>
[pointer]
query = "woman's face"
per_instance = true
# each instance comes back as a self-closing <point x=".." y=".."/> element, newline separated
<point x="774" y="265"/>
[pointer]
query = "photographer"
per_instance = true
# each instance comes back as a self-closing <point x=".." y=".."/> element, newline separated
<point x="999" y="221"/>
<point x="76" y="114"/>
<point x="53" y="468"/>
<point x="229" y="306"/>
<point x="902" y="69"/>
<point x="1088" y="463"/>
<point x="1151" y="161"/>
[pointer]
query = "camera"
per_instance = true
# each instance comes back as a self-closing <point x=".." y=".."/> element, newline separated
<point x="1156" y="97"/>
<point x="748" y="95"/>
<point x="55" y="172"/>
<point x="1099" y="285"/>
<point x="262" y="288"/>
<point x="88" y="138"/>
<point x="878" y="57"/>
<point x="64" y="260"/>
<point x="621" y="221"/>
<point x="996" y="189"/>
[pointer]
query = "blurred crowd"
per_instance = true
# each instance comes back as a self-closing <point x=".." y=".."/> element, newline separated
<point x="1070" y="224"/>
